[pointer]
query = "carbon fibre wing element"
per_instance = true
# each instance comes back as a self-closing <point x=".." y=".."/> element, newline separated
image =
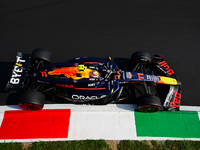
<point x="173" y="98"/>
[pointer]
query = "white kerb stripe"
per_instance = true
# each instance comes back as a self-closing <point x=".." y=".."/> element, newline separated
<point x="199" y="115"/>
<point x="106" y="125"/>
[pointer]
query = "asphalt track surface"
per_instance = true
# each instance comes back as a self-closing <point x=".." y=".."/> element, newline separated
<point x="100" y="28"/>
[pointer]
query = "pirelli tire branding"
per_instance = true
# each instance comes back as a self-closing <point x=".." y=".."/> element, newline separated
<point x="17" y="71"/>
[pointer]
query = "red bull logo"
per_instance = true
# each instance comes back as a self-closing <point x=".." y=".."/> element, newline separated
<point x="164" y="64"/>
<point x="68" y="71"/>
<point x="65" y="85"/>
<point x="71" y="72"/>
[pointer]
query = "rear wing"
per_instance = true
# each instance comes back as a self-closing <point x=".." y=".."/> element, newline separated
<point x="19" y="71"/>
<point x="173" y="99"/>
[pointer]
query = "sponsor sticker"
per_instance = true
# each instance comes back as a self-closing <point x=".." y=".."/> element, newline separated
<point x="129" y="75"/>
<point x="82" y="97"/>
<point x="15" y="78"/>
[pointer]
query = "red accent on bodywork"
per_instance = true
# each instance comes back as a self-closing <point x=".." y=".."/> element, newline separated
<point x="134" y="81"/>
<point x="164" y="64"/>
<point x="67" y="71"/>
<point x="118" y="75"/>
<point x="44" y="74"/>
<point x="160" y="82"/>
<point x="170" y="71"/>
<point x="176" y="102"/>
<point x="65" y="85"/>
<point x="140" y="76"/>
<point x="130" y="75"/>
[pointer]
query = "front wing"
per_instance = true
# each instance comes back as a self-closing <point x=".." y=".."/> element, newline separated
<point x="173" y="99"/>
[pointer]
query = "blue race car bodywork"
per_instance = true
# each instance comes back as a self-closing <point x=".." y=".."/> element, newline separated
<point x="90" y="79"/>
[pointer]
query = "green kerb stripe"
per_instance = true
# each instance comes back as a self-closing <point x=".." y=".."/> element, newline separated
<point x="181" y="124"/>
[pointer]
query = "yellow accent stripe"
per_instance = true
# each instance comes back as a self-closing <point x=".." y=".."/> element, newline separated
<point x="18" y="64"/>
<point x="168" y="80"/>
<point x="121" y="99"/>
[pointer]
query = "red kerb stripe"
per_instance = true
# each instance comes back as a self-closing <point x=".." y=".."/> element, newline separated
<point x="46" y="123"/>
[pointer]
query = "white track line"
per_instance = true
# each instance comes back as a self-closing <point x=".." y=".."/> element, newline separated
<point x="190" y="108"/>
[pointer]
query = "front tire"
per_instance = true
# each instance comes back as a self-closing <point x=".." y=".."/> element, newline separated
<point x="32" y="100"/>
<point x="149" y="104"/>
<point x="141" y="57"/>
<point x="41" y="55"/>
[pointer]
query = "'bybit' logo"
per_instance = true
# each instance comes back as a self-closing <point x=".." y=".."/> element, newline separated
<point x="15" y="78"/>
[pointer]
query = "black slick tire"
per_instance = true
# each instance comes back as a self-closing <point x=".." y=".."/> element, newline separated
<point x="149" y="104"/>
<point x="141" y="56"/>
<point x="41" y="54"/>
<point x="32" y="100"/>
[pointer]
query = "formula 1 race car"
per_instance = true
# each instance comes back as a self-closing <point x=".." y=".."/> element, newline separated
<point x="92" y="79"/>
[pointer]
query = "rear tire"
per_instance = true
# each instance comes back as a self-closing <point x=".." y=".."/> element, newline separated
<point x="149" y="104"/>
<point x="32" y="100"/>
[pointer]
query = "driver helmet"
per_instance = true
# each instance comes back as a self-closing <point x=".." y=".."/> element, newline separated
<point x="94" y="74"/>
<point x="81" y="67"/>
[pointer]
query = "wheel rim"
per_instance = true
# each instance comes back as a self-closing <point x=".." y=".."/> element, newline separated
<point x="134" y="62"/>
<point x="149" y="108"/>
<point x="30" y="106"/>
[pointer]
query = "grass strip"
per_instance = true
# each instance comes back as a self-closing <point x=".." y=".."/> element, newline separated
<point x="75" y="145"/>
<point x="11" y="146"/>
<point x="102" y="145"/>
<point x="158" y="145"/>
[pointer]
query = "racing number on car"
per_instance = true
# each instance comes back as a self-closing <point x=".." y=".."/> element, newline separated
<point x="164" y="64"/>
<point x="44" y="74"/>
<point x="118" y="75"/>
<point x="140" y="76"/>
<point x="176" y="102"/>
